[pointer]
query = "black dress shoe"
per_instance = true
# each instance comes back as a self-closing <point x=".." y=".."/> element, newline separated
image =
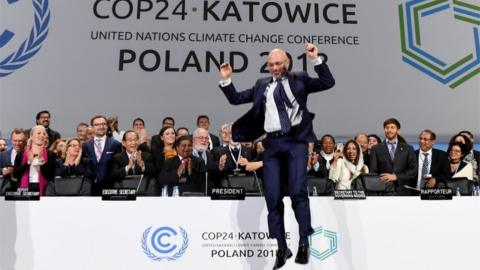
<point x="303" y="254"/>
<point x="281" y="257"/>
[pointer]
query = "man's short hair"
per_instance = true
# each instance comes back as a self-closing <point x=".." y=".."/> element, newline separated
<point x="327" y="136"/>
<point x="168" y="118"/>
<point x="197" y="130"/>
<point x="202" y="116"/>
<point x="82" y="124"/>
<point x="433" y="136"/>
<point x="391" y="121"/>
<point x="42" y="112"/>
<point x="96" y="117"/>
<point x="124" y="137"/>
<point x="183" y="138"/>
<point x="17" y="131"/>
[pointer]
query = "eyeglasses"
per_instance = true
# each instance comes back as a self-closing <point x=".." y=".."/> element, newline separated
<point x="424" y="139"/>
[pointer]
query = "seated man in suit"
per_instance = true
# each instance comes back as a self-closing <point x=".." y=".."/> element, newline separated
<point x="183" y="173"/>
<point x="394" y="160"/>
<point x="7" y="158"/>
<point x="100" y="151"/>
<point x="132" y="161"/>
<point x="204" y="122"/>
<point x="433" y="165"/>
<point x="200" y="147"/>
<point x="235" y="157"/>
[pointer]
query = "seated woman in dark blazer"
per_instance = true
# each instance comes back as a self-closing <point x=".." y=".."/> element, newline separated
<point x="71" y="163"/>
<point x="35" y="166"/>
<point x="458" y="167"/>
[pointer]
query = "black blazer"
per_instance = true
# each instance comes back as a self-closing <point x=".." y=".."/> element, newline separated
<point x="440" y="167"/>
<point x="214" y="176"/>
<point x="230" y="163"/>
<point x="120" y="161"/>
<point x="63" y="170"/>
<point x="195" y="181"/>
<point x="250" y="126"/>
<point x="404" y="165"/>
<point x="215" y="140"/>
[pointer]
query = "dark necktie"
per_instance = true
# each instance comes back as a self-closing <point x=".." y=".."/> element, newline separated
<point x="185" y="162"/>
<point x="391" y="150"/>
<point x="424" y="169"/>
<point x="235" y="152"/>
<point x="281" y="100"/>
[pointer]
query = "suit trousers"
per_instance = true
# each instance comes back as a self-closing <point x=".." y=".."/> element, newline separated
<point x="285" y="161"/>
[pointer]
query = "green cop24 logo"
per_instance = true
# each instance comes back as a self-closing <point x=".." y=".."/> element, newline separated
<point x="411" y="15"/>
<point x="31" y="45"/>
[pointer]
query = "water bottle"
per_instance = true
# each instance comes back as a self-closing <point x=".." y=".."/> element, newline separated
<point x="175" y="192"/>
<point x="165" y="191"/>
<point x="315" y="193"/>
<point x="458" y="192"/>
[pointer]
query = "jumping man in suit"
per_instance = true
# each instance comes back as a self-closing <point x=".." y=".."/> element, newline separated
<point x="280" y="110"/>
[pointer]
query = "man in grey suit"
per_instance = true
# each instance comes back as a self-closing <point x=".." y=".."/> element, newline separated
<point x="395" y="161"/>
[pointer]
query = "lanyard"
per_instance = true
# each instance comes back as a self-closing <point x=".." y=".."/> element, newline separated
<point x="238" y="157"/>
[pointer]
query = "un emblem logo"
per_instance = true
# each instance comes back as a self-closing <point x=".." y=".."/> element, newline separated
<point x="30" y="46"/>
<point x="164" y="243"/>
<point x="451" y="65"/>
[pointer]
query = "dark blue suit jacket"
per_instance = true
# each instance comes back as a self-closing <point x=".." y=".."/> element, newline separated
<point x="251" y="125"/>
<point x="99" y="172"/>
<point x="5" y="160"/>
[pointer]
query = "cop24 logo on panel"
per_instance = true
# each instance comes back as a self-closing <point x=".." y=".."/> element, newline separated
<point x="25" y="47"/>
<point x="164" y="243"/>
<point x="323" y="243"/>
<point x="446" y="56"/>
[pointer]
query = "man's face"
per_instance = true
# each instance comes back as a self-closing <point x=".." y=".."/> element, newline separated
<point x="226" y="135"/>
<point x="203" y="123"/>
<point x="82" y="132"/>
<point x="184" y="149"/>
<point x="18" y="141"/>
<point x="391" y="131"/>
<point x="200" y="142"/>
<point x="278" y="63"/>
<point x="168" y="123"/>
<point x="425" y="141"/>
<point x="131" y="142"/>
<point x="44" y="120"/>
<point x="100" y="127"/>
<point x="327" y="145"/>
<point x="182" y="132"/>
<point x="362" y="140"/>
